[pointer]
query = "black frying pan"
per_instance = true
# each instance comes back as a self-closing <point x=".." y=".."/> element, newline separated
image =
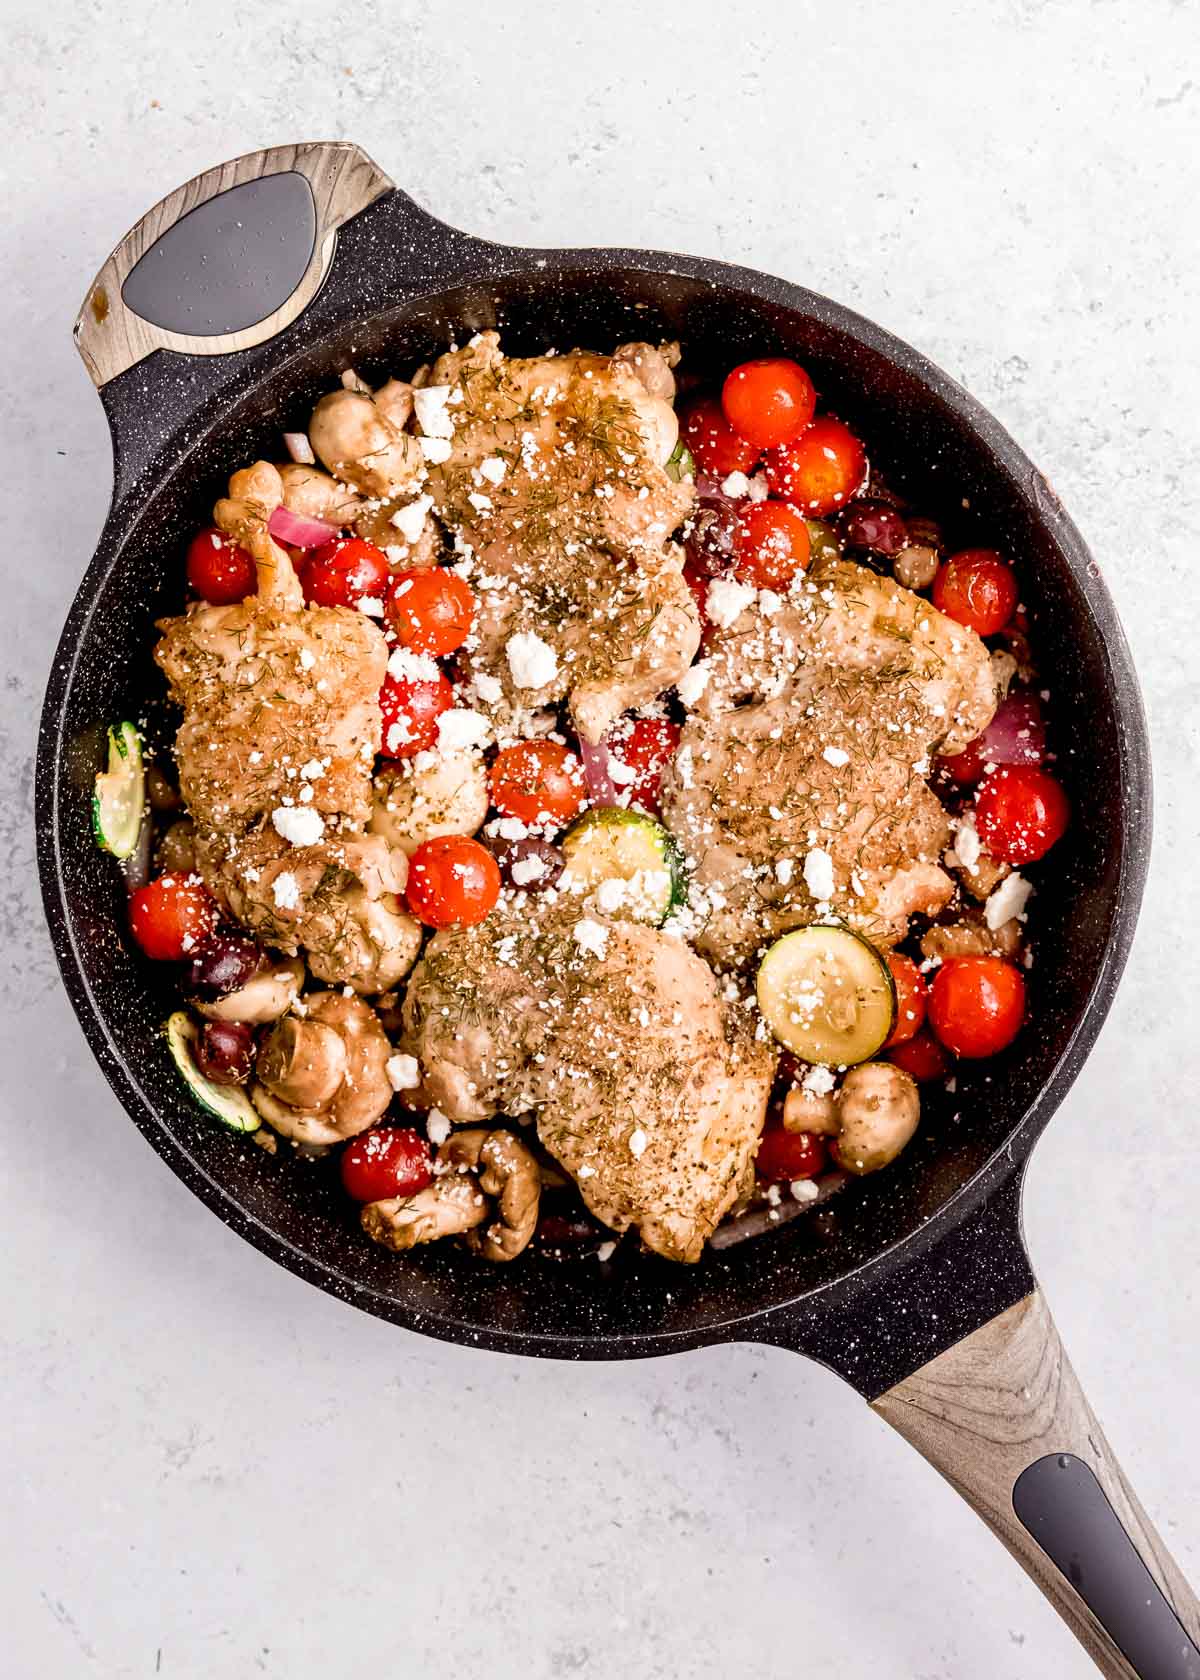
<point x="214" y="325"/>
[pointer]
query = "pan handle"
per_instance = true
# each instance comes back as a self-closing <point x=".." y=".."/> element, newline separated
<point x="1002" y="1416"/>
<point x="229" y="259"/>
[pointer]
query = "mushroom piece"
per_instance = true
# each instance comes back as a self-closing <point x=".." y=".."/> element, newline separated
<point x="322" y="1077"/>
<point x="355" y="439"/>
<point x="506" y="1171"/>
<point x="414" y="802"/>
<point x="970" y="936"/>
<point x="652" y="366"/>
<point x="254" y="494"/>
<point x="447" y="1207"/>
<point x="810" y="1111"/>
<point x="878" y="1108"/>
<point x="316" y="495"/>
<point x="265" y="997"/>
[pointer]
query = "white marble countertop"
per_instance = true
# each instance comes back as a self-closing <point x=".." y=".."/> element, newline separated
<point x="211" y="1470"/>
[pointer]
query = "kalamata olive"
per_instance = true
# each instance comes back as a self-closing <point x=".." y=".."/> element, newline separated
<point x="530" y="865"/>
<point x="568" y="1229"/>
<point x="710" y="538"/>
<point x="872" y="525"/>
<point x="225" y="962"/>
<point x="224" y="1052"/>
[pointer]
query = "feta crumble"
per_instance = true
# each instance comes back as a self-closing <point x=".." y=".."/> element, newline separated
<point x="783" y="872"/>
<point x="406" y="666"/>
<point x="735" y="485"/>
<point x="300" y="825"/>
<point x="437" y="1127"/>
<point x="526" y="870"/>
<point x="532" y="661"/>
<point x="436" y="450"/>
<point x="727" y="599"/>
<point x="818" y="873"/>
<point x="404" y="1072"/>
<point x="591" y="936"/>
<point x="286" y="890"/>
<point x="1008" y="900"/>
<point x="637" y="1143"/>
<point x="693" y="682"/>
<point x="836" y="756"/>
<point x="493" y="469"/>
<point x="461" y="728"/>
<point x="410" y="519"/>
<point x="429" y="405"/>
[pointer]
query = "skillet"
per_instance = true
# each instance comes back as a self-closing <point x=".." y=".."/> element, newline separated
<point x="213" y="326"/>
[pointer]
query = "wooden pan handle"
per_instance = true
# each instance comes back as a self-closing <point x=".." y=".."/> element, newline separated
<point x="229" y="259"/>
<point x="1003" y="1417"/>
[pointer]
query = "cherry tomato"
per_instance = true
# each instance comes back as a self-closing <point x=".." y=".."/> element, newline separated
<point x="911" y="995"/>
<point x="387" y="1161"/>
<point x="1016" y="735"/>
<point x="769" y="400"/>
<point x="712" y="440"/>
<point x="976" y="1005"/>
<point x="788" y="1155"/>
<point x="172" y="916"/>
<point x="539" y="782"/>
<point x="452" y="882"/>
<point x="343" y="572"/>
<point x="430" y="611"/>
<point x="411" y="708"/>
<point x="976" y="588"/>
<point x="1020" y="811"/>
<point x="773" y="545"/>
<point x="220" y="571"/>
<point x="922" y="1057"/>
<point x="698" y="584"/>
<point x="648" y="748"/>
<point x="820" y="470"/>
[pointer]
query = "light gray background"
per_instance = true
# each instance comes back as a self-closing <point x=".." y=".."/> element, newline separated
<point x="213" y="1471"/>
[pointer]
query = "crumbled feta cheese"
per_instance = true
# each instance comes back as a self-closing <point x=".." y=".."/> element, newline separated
<point x="769" y="603"/>
<point x="480" y="502"/>
<point x="404" y="1072"/>
<point x="286" y="889"/>
<point x="783" y="872"/>
<point x="737" y="484"/>
<point x="429" y="405"/>
<point x="758" y="489"/>
<point x="818" y="1081"/>
<point x="1008" y="900"/>
<point x="256" y="757"/>
<point x="818" y="873"/>
<point x="836" y="756"/>
<point x="508" y="828"/>
<point x="489" y="689"/>
<point x="637" y="1143"/>
<point x="313" y="770"/>
<point x="610" y="895"/>
<point x="585" y="1171"/>
<point x="683" y="764"/>
<point x="371" y="605"/>
<point x="727" y="599"/>
<point x="437" y="1127"/>
<point x="804" y="1190"/>
<point x="460" y="728"/>
<point x="620" y="773"/>
<point x="967" y="845"/>
<point x="532" y="661"/>
<point x="526" y="870"/>
<point x="298" y="824"/>
<point x="591" y="936"/>
<point x="693" y="682"/>
<point x="435" y="450"/>
<point x="605" y="1252"/>
<point x="307" y="659"/>
<point x="410" y="519"/>
<point x="407" y="666"/>
<point x="493" y="468"/>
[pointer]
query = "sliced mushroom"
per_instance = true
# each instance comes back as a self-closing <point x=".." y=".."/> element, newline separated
<point x="357" y="442"/>
<point x="381" y="944"/>
<point x="265" y="997"/>
<point x="449" y="796"/>
<point x="450" y="1205"/>
<point x="508" y="1172"/>
<point x="323" y="1077"/>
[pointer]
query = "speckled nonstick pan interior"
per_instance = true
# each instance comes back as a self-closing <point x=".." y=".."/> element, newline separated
<point x="913" y="1285"/>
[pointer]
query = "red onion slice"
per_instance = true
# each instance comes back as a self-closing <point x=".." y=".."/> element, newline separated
<point x="299" y="448"/>
<point x="602" y="790"/>
<point x="298" y="530"/>
<point x="1017" y="733"/>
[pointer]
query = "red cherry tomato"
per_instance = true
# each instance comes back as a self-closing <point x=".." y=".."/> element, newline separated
<point x="976" y="1005"/>
<point x="452" y="882"/>
<point x="976" y="588"/>
<point x="820" y="470"/>
<point x="788" y="1155"/>
<point x="648" y="748"/>
<point x="411" y="708"/>
<point x="385" y="1162"/>
<point x="220" y="571"/>
<point x="773" y="545"/>
<point x="911" y="996"/>
<point x="698" y="584"/>
<point x="712" y="440"/>
<point x="1020" y="811"/>
<point x="430" y="611"/>
<point x="172" y="916"/>
<point x="768" y="401"/>
<point x="922" y="1057"/>
<point x="343" y="572"/>
<point x="538" y="782"/>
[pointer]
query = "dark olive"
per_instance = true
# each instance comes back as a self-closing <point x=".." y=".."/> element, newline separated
<point x="224" y="963"/>
<point x="710" y="537"/>
<point x="873" y="526"/>
<point x="224" y="1052"/>
<point x="520" y="855"/>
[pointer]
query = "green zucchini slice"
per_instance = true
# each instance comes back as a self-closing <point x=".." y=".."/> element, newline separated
<point x="630" y="850"/>
<point x="680" y="463"/>
<point x="228" y="1102"/>
<point x="827" y="995"/>
<point x="119" y="798"/>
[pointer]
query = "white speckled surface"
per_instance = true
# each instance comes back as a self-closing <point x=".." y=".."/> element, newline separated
<point x="212" y="1471"/>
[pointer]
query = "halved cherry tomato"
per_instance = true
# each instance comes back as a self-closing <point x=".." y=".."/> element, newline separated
<point x="911" y="996"/>
<point x="698" y="584"/>
<point x="976" y="1005"/>
<point x="218" y="569"/>
<point x="769" y="400"/>
<point x="922" y="1057"/>
<point x="648" y="748"/>
<point x="713" y="441"/>
<point x="343" y="572"/>
<point x="430" y="611"/>
<point x="384" y="1162"/>
<point x="172" y="916"/>
<point x="411" y="708"/>
<point x="820" y="470"/>
<point x="977" y="588"/>
<point x="538" y="782"/>
<point x="788" y="1155"/>
<point x="773" y="545"/>
<point x="1020" y="811"/>
<point x="452" y="882"/>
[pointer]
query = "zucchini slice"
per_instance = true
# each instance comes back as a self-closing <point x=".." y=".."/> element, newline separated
<point x="680" y="463"/>
<point x="119" y="799"/>
<point x="630" y="850"/>
<point x="827" y="995"/>
<point x="228" y="1102"/>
